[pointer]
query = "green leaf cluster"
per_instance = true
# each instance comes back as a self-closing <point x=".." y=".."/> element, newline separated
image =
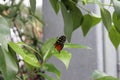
<point x="74" y="18"/>
<point x="10" y="64"/>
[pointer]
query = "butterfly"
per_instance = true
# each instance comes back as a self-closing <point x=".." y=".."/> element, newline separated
<point x="59" y="44"/>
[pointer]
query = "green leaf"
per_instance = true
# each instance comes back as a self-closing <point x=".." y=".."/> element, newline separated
<point x="96" y="19"/>
<point x="21" y="43"/>
<point x="55" y="5"/>
<point x="72" y="17"/>
<point x="77" y="16"/>
<point x="108" y="78"/>
<point x="68" y="23"/>
<point x="53" y="69"/>
<point x="91" y="1"/>
<point x="97" y="75"/>
<point x="31" y="59"/>
<point x="48" y="44"/>
<point x="28" y="57"/>
<point x="114" y="37"/>
<point x="13" y="12"/>
<point x="8" y="66"/>
<point x="106" y="18"/>
<point x="4" y="32"/>
<point x="46" y="76"/>
<point x="84" y="1"/>
<point x="65" y="57"/>
<point x="33" y="5"/>
<point x="116" y="5"/>
<point x="116" y="22"/>
<point x="70" y="45"/>
<point x="88" y="22"/>
<point x="47" y="48"/>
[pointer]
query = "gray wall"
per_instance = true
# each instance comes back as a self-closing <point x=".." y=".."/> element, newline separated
<point x="83" y="61"/>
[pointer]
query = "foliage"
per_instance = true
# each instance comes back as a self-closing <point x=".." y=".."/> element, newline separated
<point x="98" y="75"/>
<point x="22" y="21"/>
<point x="74" y="18"/>
<point x="26" y="24"/>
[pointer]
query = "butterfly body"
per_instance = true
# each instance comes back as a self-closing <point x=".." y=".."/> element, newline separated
<point x="59" y="44"/>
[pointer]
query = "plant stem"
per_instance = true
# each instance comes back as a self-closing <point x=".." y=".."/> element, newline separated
<point x="81" y="7"/>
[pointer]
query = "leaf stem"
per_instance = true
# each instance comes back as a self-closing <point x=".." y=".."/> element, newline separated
<point x="81" y="7"/>
<point x="104" y="4"/>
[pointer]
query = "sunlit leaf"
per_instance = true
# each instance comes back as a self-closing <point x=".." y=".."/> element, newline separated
<point x="8" y="66"/>
<point x="27" y="56"/>
<point x="96" y="19"/>
<point x="116" y="5"/>
<point x="116" y="22"/>
<point x="65" y="57"/>
<point x="47" y="48"/>
<point x="84" y="1"/>
<point x="4" y="32"/>
<point x="46" y="76"/>
<point x="107" y="78"/>
<point x="88" y="22"/>
<point x="53" y="69"/>
<point x="114" y="37"/>
<point x="21" y="43"/>
<point x="31" y="59"/>
<point x="71" y="45"/>
<point x="106" y="18"/>
<point x="98" y="75"/>
<point x="33" y="5"/>
<point x="55" y="5"/>
<point x="68" y="23"/>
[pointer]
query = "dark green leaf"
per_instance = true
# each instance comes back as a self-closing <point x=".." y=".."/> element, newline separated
<point x="88" y="22"/>
<point x="77" y="16"/>
<point x="106" y="18"/>
<point x="27" y="56"/>
<point x="95" y="19"/>
<point x="70" y="45"/>
<point x="116" y="22"/>
<point x="53" y="69"/>
<point x="8" y="66"/>
<point x="114" y="37"/>
<point x="65" y="57"/>
<point x="116" y="5"/>
<point x="33" y="5"/>
<point x="46" y="76"/>
<point x="68" y="23"/>
<point x="4" y="32"/>
<point x="55" y="5"/>
<point x="13" y="12"/>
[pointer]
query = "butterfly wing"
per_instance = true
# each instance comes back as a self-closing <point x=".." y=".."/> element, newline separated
<point x="60" y="43"/>
<point x="59" y="47"/>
